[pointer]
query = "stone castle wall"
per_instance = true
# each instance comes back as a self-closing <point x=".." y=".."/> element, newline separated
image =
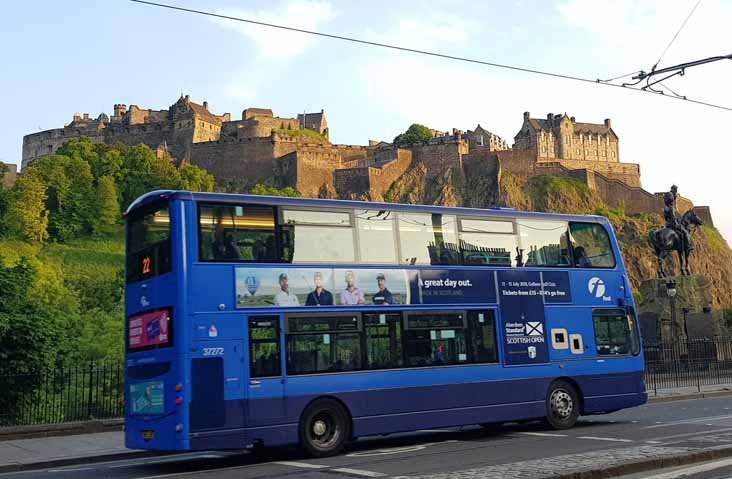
<point x="373" y="181"/>
<point x="247" y="160"/>
<point x="613" y="190"/>
<point x="439" y="155"/>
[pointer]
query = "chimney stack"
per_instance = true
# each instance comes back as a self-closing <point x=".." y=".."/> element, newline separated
<point x="205" y="105"/>
<point x="607" y="122"/>
<point x="526" y="115"/>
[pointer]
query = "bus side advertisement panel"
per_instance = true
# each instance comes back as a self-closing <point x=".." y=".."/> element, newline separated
<point x="263" y="287"/>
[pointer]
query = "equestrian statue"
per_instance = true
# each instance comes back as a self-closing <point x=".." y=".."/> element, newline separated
<point x="675" y="236"/>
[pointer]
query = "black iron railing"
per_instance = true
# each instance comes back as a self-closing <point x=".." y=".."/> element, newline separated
<point x="688" y="363"/>
<point x="70" y="393"/>
<point x="95" y="390"/>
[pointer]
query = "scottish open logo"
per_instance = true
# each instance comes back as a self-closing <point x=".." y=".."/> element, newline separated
<point x="534" y="329"/>
<point x="596" y="286"/>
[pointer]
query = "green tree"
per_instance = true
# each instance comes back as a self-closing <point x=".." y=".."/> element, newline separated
<point x="27" y="215"/>
<point x="30" y="334"/>
<point x="142" y="172"/>
<point x="70" y="199"/>
<point x="416" y="133"/>
<point x="107" y="213"/>
<point x="260" y="189"/>
<point x="194" y="178"/>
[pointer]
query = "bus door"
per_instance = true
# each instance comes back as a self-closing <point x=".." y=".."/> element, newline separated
<point x="266" y="384"/>
<point x="217" y="389"/>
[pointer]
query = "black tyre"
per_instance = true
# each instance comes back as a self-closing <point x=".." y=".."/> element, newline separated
<point x="562" y="405"/>
<point x="325" y="426"/>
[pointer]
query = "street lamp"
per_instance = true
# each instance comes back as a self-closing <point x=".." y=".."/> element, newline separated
<point x="671" y="292"/>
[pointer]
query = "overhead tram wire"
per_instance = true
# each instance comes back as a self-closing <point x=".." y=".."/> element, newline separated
<point x="676" y="35"/>
<point x="425" y="52"/>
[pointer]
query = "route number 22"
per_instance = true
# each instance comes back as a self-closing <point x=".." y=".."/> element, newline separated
<point x="146" y="265"/>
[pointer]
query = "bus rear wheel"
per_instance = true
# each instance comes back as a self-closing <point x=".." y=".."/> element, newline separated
<point x="562" y="405"/>
<point x="324" y="428"/>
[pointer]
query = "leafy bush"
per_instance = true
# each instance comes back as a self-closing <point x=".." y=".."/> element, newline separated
<point x="416" y="133"/>
<point x="260" y="189"/>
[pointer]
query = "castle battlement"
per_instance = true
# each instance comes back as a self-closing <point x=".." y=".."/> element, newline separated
<point x="261" y="146"/>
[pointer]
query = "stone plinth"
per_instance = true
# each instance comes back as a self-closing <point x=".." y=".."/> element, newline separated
<point x="692" y="304"/>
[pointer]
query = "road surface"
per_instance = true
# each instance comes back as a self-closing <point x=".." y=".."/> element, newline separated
<point x="514" y="451"/>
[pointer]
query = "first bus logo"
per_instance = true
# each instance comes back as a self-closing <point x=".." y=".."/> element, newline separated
<point x="596" y="287"/>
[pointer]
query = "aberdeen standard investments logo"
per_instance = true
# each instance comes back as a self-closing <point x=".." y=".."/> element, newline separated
<point x="596" y="287"/>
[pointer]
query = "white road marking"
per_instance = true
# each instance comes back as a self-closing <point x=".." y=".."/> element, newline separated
<point x="688" y="471"/>
<point x="304" y="465"/>
<point x="71" y="470"/>
<point x="542" y="434"/>
<point x="610" y="439"/>
<point x="386" y="452"/>
<point x="397" y="450"/>
<point x="358" y="472"/>
<point x="688" y="421"/>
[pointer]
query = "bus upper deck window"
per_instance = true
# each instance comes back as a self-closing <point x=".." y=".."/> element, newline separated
<point x="237" y="233"/>
<point x="428" y="239"/>
<point x="544" y="243"/>
<point x="592" y="247"/>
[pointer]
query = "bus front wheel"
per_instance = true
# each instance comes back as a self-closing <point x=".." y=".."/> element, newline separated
<point x="562" y="405"/>
<point x="324" y="428"/>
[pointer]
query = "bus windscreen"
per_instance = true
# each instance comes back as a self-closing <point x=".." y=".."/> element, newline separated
<point x="148" y="244"/>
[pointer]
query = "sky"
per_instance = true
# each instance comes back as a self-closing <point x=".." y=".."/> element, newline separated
<point x="86" y="55"/>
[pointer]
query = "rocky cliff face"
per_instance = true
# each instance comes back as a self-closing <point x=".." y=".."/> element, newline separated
<point x="712" y="257"/>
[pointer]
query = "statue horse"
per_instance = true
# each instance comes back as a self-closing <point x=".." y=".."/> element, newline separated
<point x="666" y="240"/>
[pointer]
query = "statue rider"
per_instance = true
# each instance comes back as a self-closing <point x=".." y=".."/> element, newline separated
<point x="672" y="221"/>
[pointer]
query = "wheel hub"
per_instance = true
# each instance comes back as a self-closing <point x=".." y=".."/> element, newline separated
<point x="562" y="404"/>
<point x="319" y="428"/>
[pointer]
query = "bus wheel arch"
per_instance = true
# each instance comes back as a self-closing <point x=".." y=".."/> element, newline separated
<point x="563" y="403"/>
<point x="325" y="426"/>
<point x="577" y="388"/>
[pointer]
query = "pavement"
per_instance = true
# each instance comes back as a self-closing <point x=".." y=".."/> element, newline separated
<point x="676" y="428"/>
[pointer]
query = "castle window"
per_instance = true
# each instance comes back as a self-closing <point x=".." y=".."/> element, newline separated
<point x="543" y="150"/>
<point x="578" y="151"/>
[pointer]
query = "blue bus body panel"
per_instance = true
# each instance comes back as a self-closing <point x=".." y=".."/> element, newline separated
<point x="207" y="326"/>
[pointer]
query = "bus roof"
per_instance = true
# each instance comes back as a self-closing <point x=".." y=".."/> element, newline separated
<point x="315" y="202"/>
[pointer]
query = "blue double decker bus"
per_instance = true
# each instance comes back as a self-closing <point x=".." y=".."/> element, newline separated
<point x="255" y="320"/>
